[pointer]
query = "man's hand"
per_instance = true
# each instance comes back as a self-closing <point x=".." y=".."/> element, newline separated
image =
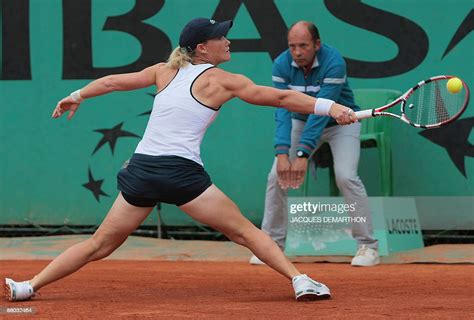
<point x="343" y="115"/>
<point x="298" y="172"/>
<point x="283" y="171"/>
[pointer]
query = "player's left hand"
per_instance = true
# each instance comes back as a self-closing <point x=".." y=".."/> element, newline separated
<point x="64" y="105"/>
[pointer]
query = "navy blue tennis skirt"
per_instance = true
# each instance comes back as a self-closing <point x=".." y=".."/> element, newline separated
<point x="148" y="180"/>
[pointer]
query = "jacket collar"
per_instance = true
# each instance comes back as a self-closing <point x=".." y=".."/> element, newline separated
<point x="315" y="62"/>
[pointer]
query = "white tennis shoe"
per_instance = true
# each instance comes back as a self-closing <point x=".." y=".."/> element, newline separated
<point x="18" y="291"/>
<point x="366" y="257"/>
<point x="306" y="289"/>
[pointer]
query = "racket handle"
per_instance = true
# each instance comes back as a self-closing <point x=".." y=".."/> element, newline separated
<point x="364" y="114"/>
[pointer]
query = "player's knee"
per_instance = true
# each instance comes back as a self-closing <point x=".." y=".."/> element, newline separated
<point x="241" y="236"/>
<point x="100" y="247"/>
<point x="92" y="246"/>
<point x="237" y="237"/>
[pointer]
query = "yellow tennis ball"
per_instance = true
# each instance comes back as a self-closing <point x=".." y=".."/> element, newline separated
<point x="454" y="85"/>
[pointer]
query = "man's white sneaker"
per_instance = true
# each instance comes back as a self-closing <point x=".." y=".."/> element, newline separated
<point x="256" y="261"/>
<point x="17" y="291"/>
<point x="306" y="289"/>
<point x="366" y="257"/>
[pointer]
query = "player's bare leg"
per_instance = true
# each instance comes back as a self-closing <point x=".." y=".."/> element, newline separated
<point x="215" y="209"/>
<point x="121" y="220"/>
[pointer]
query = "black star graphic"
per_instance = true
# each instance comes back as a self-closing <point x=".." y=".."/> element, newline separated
<point x="111" y="136"/>
<point x="464" y="29"/>
<point x="455" y="139"/>
<point x="95" y="186"/>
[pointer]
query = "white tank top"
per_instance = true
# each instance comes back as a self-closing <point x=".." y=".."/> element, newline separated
<point x="178" y="121"/>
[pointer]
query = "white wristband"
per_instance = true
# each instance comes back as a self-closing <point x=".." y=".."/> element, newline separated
<point x="76" y="96"/>
<point x="322" y="106"/>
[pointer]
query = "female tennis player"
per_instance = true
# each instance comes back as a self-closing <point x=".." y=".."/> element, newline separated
<point x="167" y="167"/>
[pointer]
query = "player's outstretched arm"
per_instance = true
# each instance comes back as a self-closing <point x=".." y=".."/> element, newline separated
<point x="104" y="85"/>
<point x="243" y="88"/>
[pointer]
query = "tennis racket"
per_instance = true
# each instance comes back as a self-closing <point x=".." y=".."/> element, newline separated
<point x="427" y="105"/>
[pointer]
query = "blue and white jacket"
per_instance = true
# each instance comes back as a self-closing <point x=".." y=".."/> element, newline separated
<point x="327" y="79"/>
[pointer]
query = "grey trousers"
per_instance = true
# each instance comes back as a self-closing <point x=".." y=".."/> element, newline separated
<point x="345" y="147"/>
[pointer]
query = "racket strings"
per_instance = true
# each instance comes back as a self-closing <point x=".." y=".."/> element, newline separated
<point x="440" y="113"/>
<point x="432" y="103"/>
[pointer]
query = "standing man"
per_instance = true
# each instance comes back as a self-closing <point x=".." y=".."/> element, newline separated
<point x="318" y="70"/>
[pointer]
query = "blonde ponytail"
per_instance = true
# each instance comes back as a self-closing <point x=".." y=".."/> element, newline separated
<point x="179" y="58"/>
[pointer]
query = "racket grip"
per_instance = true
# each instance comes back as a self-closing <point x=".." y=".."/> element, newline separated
<point x="363" y="114"/>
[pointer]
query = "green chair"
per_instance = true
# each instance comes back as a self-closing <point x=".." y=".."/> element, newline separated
<point x="375" y="133"/>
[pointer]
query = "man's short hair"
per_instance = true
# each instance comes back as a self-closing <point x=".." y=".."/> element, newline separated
<point x="313" y="30"/>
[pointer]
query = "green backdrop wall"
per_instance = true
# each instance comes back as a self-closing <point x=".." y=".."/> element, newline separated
<point x="49" y="168"/>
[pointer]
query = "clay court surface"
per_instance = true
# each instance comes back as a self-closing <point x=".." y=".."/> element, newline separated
<point x="112" y="289"/>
